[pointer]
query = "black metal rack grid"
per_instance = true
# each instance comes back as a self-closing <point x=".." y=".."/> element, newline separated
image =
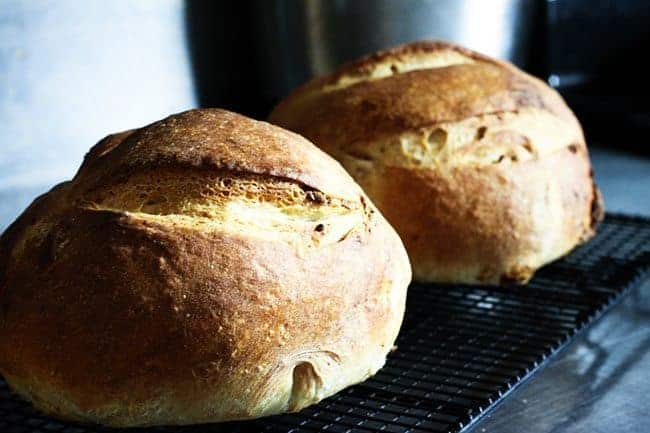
<point x="461" y="349"/>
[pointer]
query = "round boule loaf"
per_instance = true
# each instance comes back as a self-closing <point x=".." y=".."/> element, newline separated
<point x="481" y="168"/>
<point x="204" y="268"/>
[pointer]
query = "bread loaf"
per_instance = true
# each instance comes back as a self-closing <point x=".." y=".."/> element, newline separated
<point x="207" y="267"/>
<point x="482" y="169"/>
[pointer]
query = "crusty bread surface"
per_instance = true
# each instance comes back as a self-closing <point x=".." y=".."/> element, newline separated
<point x="481" y="168"/>
<point x="204" y="268"/>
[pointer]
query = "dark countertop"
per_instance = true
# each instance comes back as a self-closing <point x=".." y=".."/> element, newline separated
<point x="598" y="384"/>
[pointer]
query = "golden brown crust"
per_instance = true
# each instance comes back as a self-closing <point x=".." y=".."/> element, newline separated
<point x="237" y="143"/>
<point x="491" y="225"/>
<point x="481" y="168"/>
<point x="412" y="99"/>
<point x="142" y="317"/>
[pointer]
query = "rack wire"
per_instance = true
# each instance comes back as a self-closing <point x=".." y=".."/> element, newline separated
<point x="462" y="348"/>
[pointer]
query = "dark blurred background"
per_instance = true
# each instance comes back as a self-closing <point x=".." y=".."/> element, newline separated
<point x="72" y="72"/>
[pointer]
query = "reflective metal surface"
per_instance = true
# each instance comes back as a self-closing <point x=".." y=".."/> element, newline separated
<point x="600" y="383"/>
<point x="312" y="37"/>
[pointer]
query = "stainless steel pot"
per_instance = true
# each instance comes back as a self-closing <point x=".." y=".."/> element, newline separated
<point x="305" y="38"/>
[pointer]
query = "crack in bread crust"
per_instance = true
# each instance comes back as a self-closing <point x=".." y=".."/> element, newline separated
<point x="398" y="65"/>
<point x="224" y="200"/>
<point x="507" y="137"/>
<point x="205" y="193"/>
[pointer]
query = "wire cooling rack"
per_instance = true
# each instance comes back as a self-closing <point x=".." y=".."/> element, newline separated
<point x="462" y="348"/>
